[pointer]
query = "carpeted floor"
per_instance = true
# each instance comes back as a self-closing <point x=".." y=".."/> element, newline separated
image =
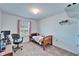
<point x="32" y="49"/>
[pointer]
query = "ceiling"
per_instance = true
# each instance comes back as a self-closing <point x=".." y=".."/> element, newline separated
<point x="24" y="9"/>
<point x="73" y="11"/>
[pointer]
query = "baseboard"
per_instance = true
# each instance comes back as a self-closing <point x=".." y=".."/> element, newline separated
<point x="65" y="50"/>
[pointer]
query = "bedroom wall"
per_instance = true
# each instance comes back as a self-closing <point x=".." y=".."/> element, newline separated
<point x="0" y="21"/>
<point x="65" y="36"/>
<point x="34" y="26"/>
<point x="78" y="37"/>
<point x="9" y="22"/>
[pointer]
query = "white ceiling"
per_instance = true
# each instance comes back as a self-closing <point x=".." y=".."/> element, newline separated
<point x="24" y="9"/>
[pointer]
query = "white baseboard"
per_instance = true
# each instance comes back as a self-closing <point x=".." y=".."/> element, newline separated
<point x="67" y="50"/>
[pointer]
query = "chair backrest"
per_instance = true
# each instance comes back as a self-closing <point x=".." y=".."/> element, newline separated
<point x="15" y="36"/>
<point x="6" y="32"/>
<point x="16" y="39"/>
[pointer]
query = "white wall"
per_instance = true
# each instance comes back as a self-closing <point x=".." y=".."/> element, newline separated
<point x="65" y="36"/>
<point x="0" y="20"/>
<point x="34" y="26"/>
<point x="78" y="37"/>
<point x="9" y="22"/>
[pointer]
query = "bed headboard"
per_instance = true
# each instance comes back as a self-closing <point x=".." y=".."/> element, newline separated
<point x="34" y="34"/>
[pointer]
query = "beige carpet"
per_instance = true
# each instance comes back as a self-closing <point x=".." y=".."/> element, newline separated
<point x="32" y="49"/>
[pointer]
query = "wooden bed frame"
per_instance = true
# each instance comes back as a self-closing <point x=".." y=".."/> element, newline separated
<point x="47" y="40"/>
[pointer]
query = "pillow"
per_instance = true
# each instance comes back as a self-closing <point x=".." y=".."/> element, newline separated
<point x="37" y="38"/>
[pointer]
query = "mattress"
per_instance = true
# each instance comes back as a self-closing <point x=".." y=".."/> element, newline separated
<point x="37" y="39"/>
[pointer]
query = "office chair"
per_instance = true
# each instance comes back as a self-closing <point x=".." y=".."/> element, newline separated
<point x="17" y="40"/>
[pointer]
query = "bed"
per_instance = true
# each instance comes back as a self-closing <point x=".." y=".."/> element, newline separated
<point x="41" y="40"/>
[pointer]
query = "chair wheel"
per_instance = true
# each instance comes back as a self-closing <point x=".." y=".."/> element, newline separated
<point x="21" y="49"/>
<point x="21" y="46"/>
<point x="14" y="51"/>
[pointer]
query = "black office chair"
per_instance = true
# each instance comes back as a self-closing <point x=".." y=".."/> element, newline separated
<point x="17" y="41"/>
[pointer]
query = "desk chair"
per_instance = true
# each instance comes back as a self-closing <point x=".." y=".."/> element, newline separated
<point x="17" y="40"/>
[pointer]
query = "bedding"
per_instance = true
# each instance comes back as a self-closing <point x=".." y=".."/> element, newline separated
<point x="44" y="41"/>
<point x="37" y="38"/>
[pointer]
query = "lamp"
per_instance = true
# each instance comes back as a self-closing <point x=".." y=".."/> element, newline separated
<point x="35" y="10"/>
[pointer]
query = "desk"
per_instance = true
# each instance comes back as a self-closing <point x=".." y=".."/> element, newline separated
<point x="8" y="51"/>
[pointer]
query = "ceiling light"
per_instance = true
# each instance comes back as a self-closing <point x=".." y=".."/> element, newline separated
<point x="35" y="10"/>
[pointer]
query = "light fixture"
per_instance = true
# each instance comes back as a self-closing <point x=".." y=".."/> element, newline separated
<point x="64" y="22"/>
<point x="71" y="4"/>
<point x="35" y="10"/>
